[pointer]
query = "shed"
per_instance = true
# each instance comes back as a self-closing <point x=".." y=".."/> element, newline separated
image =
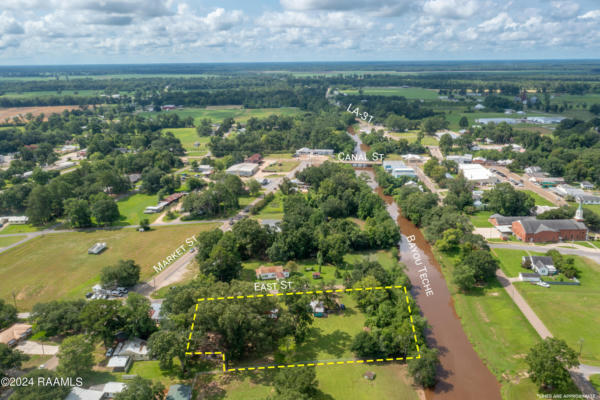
<point x="370" y="375"/>
<point x="97" y="248"/>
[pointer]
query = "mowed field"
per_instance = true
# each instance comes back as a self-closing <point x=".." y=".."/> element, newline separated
<point x="22" y="111"/>
<point x="571" y="313"/>
<point x="57" y="266"/>
<point x="189" y="136"/>
<point x="239" y="114"/>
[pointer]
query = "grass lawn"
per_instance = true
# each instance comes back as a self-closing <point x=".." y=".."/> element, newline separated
<point x="539" y="200"/>
<point x="8" y="240"/>
<point x="57" y="266"/>
<point x="338" y="382"/>
<point x="510" y="260"/>
<point x="24" y="228"/>
<point x="384" y="257"/>
<point x="273" y="210"/>
<point x="480" y="219"/>
<point x="132" y="208"/>
<point x="595" y="379"/>
<point x="571" y="312"/>
<point x="245" y="200"/>
<point x="411" y="137"/>
<point x="188" y="137"/>
<point x="498" y="331"/>
<point x="282" y="166"/>
<point x="35" y="360"/>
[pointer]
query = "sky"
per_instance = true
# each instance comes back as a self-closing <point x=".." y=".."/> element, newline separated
<point x="163" y="31"/>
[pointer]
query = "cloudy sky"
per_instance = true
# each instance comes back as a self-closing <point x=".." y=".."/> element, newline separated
<point x="138" y="31"/>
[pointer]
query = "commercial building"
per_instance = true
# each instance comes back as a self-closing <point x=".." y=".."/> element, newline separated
<point x="398" y="169"/>
<point x="464" y="159"/>
<point x="243" y="169"/>
<point x="478" y="174"/>
<point x="305" y="151"/>
<point x="15" y="220"/>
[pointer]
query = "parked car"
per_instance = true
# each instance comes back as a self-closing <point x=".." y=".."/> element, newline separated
<point x="88" y="295"/>
<point x="109" y="352"/>
<point x="543" y="284"/>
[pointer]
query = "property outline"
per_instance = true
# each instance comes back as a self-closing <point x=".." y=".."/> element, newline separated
<point x="305" y="364"/>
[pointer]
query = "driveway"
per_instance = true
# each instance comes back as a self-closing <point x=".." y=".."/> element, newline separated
<point x="35" y="348"/>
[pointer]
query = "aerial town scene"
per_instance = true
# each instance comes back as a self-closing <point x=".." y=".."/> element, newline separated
<point x="298" y="200"/>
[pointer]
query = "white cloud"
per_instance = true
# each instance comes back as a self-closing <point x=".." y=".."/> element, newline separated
<point x="564" y="9"/>
<point x="590" y="15"/>
<point x="451" y="8"/>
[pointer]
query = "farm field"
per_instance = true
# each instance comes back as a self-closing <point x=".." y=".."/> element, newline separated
<point x="409" y="93"/>
<point x="57" y="266"/>
<point x="35" y="111"/>
<point x="579" y="308"/>
<point x="240" y="115"/>
<point x="498" y="331"/>
<point x="188" y="137"/>
<point x="132" y="209"/>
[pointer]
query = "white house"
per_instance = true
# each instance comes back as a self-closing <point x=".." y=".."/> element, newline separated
<point x="587" y="199"/>
<point x="276" y="272"/>
<point x="586" y="185"/>
<point x="542" y="265"/>
<point x="135" y="348"/>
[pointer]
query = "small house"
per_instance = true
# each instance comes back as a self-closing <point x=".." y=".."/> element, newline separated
<point x="318" y="308"/>
<point x="586" y="185"/>
<point x="254" y="159"/>
<point x="276" y="272"/>
<point x="78" y="393"/>
<point x="135" y="348"/>
<point x="111" y="389"/>
<point x="542" y="265"/>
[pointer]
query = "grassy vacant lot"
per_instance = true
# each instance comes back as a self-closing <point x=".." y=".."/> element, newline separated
<point x="239" y="114"/>
<point x="57" y="266"/>
<point x="498" y="331"/>
<point x="510" y="260"/>
<point x="281" y="166"/>
<point x="132" y="208"/>
<point x="188" y="137"/>
<point x="338" y="382"/>
<point x="571" y="312"/>
<point x="8" y="240"/>
<point x="539" y="200"/>
<point x="480" y="219"/>
<point x="273" y="210"/>
<point x="409" y="93"/>
<point x="411" y="137"/>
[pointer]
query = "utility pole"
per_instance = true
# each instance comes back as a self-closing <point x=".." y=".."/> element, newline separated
<point x="580" y="345"/>
<point x="14" y="294"/>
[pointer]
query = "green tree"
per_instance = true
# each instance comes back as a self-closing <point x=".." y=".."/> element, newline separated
<point x="398" y="123"/>
<point x="78" y="213"/>
<point x="136" y="313"/>
<point x="464" y="277"/>
<point x="252" y="240"/>
<point x="10" y="358"/>
<point x="206" y="241"/>
<point x="57" y="317"/>
<point x="145" y="224"/>
<point x="165" y="346"/>
<point x="463" y="122"/>
<point x="365" y="345"/>
<point x="424" y="369"/>
<point x="39" y="205"/>
<point x="102" y="319"/>
<point x="446" y="143"/>
<point x="75" y="355"/>
<point x="549" y="362"/>
<point x="433" y="124"/>
<point x="224" y="262"/>
<point x="104" y="209"/>
<point x="302" y="382"/>
<point x="41" y="392"/>
<point x="8" y="314"/>
<point x="151" y="180"/>
<point x="253" y="187"/>
<point x="286" y="186"/>
<point x="505" y="200"/>
<point x="125" y="273"/>
<point x="142" y="389"/>
<point x="205" y="127"/>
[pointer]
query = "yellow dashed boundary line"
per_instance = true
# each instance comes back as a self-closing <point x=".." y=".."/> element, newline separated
<point x="300" y="365"/>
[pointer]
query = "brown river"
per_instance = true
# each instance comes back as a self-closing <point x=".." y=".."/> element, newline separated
<point x="462" y="375"/>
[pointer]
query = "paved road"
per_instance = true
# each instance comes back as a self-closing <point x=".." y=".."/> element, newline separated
<point x="31" y="347"/>
<point x="589" y="253"/>
<point x="551" y="197"/>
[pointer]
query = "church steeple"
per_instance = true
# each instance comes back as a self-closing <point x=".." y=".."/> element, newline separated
<point x="579" y="212"/>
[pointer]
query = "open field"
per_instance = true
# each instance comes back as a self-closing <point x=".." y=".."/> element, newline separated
<point x="273" y="210"/>
<point x="480" y="219"/>
<point x="57" y="266"/>
<point x="8" y="240"/>
<point x="132" y="208"/>
<point x="411" y="137"/>
<point x="49" y="93"/>
<point x="571" y="312"/>
<point x="539" y="200"/>
<point x="409" y="93"/>
<point x="22" y="228"/>
<point x="35" y="111"/>
<point x="338" y="382"/>
<point x="188" y="137"/>
<point x="281" y="166"/>
<point x="240" y="115"/>
<point x="498" y="331"/>
<point x="510" y="260"/>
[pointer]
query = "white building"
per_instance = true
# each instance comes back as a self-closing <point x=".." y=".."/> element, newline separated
<point x="135" y="348"/>
<point x="78" y="393"/>
<point x="243" y="169"/>
<point x="464" y="159"/>
<point x="97" y="248"/>
<point x="587" y="199"/>
<point x="119" y="363"/>
<point x="398" y="169"/>
<point x="586" y="185"/>
<point x="15" y="220"/>
<point x="479" y="107"/>
<point x="478" y="174"/>
<point x="567" y="190"/>
<point x="305" y="151"/>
